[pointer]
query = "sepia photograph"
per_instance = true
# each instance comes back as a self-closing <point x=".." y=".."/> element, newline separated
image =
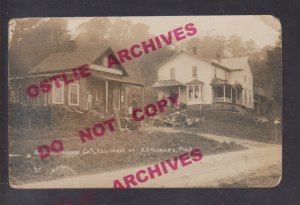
<point x="145" y="102"/>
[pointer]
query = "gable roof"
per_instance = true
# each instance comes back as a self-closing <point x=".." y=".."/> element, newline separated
<point x="176" y="54"/>
<point x="232" y="64"/>
<point x="57" y="62"/>
<point x="66" y="60"/>
<point x="166" y="83"/>
<point x="195" y="81"/>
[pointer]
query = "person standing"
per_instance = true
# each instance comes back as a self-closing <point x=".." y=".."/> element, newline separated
<point x="134" y="104"/>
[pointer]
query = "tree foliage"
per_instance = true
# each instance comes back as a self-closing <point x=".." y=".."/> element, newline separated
<point x="119" y="34"/>
<point x="33" y="40"/>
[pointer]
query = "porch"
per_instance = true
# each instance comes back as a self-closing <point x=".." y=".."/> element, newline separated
<point x="97" y="94"/>
<point x="226" y="93"/>
<point x="168" y="88"/>
<point x="222" y="99"/>
<point x="110" y="94"/>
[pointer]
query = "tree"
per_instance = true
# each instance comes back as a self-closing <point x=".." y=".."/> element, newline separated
<point x="267" y="70"/>
<point x="275" y="64"/>
<point x="33" y="40"/>
<point x="140" y="32"/>
<point x="250" y="47"/>
<point x="20" y="28"/>
<point x="120" y="35"/>
<point x="235" y="46"/>
<point x="93" y="33"/>
<point x="148" y="63"/>
<point x="208" y="46"/>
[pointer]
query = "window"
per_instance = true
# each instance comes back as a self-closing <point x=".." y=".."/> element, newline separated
<point x="196" y="89"/>
<point x="194" y="71"/>
<point x="215" y="70"/>
<point x="36" y="100"/>
<point x="245" y="96"/>
<point x="58" y="94"/>
<point x="195" y="92"/>
<point x="14" y="96"/>
<point x="190" y="88"/>
<point x="172" y="73"/>
<point x="44" y="99"/>
<point x="245" y="78"/>
<point x="74" y="94"/>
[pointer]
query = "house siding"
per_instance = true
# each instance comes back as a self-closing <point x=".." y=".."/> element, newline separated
<point x="183" y="64"/>
<point x="239" y="77"/>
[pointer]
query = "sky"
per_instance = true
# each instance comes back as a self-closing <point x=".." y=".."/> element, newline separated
<point x="264" y="30"/>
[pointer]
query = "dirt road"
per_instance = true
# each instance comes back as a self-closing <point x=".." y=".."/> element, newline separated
<point x="208" y="173"/>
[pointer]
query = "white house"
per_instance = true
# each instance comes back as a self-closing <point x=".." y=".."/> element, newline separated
<point x="206" y="81"/>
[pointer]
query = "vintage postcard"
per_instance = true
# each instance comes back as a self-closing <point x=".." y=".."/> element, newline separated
<point x="145" y="102"/>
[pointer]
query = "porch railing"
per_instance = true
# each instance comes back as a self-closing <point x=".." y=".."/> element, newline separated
<point x="221" y="99"/>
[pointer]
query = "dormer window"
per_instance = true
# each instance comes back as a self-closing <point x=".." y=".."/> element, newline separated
<point x="194" y="72"/>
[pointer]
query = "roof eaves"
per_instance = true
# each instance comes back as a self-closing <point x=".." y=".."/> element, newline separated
<point x="220" y="65"/>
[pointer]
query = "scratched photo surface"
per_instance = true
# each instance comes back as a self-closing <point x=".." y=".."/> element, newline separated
<point x="145" y="102"/>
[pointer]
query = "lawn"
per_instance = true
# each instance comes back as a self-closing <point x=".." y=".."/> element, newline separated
<point x="113" y="151"/>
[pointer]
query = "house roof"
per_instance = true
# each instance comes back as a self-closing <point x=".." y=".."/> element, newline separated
<point x="166" y="83"/>
<point x="217" y="81"/>
<point x="124" y="80"/>
<point x="67" y="60"/>
<point x="238" y="85"/>
<point x="232" y="63"/>
<point x="176" y="54"/>
<point x="58" y="62"/>
<point x="195" y="81"/>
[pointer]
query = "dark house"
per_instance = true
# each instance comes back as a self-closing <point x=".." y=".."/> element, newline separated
<point x="104" y="91"/>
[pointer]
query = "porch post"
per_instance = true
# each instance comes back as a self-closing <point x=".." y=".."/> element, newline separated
<point x="106" y="95"/>
<point x="236" y="95"/>
<point x="142" y="93"/>
<point x="231" y="95"/>
<point x="126" y="104"/>
<point x="224" y="92"/>
<point x="179" y="98"/>
<point x="119" y="99"/>
<point x="187" y="94"/>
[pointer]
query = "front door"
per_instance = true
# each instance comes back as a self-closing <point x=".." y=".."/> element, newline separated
<point x="173" y="91"/>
